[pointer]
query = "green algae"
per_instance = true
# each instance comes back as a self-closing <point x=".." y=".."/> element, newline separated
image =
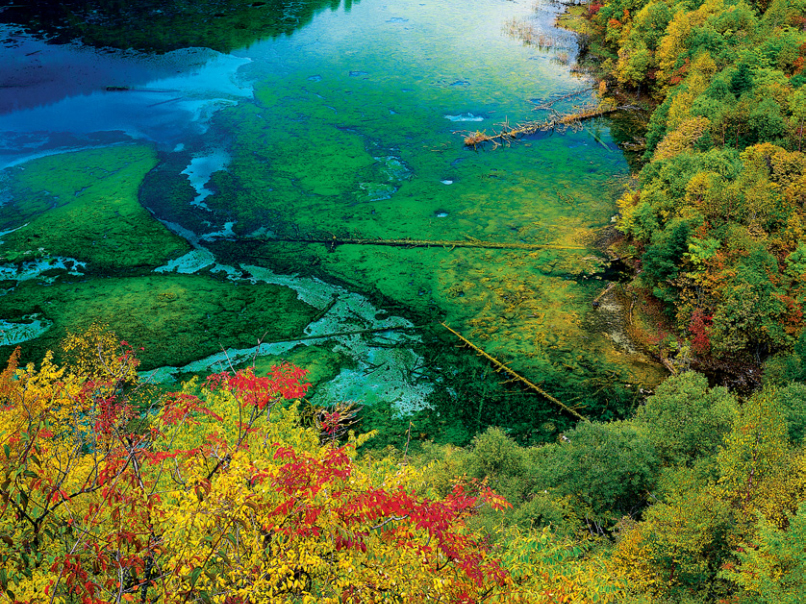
<point x="84" y="205"/>
<point x="390" y="164"/>
<point x="275" y="170"/>
<point x="531" y="309"/>
<point x="166" y="191"/>
<point x="176" y="319"/>
<point x="361" y="135"/>
<point x="542" y="325"/>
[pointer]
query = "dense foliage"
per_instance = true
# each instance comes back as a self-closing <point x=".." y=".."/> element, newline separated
<point x="215" y="493"/>
<point x="717" y="215"/>
<point x="224" y="492"/>
<point x="699" y="498"/>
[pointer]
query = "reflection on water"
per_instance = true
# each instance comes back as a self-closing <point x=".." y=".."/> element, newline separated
<point x="164" y="25"/>
<point x="349" y="128"/>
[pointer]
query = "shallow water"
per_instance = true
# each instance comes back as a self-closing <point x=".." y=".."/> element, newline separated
<point x="347" y="128"/>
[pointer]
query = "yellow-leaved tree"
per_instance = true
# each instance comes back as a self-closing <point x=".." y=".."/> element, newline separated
<point x="215" y="494"/>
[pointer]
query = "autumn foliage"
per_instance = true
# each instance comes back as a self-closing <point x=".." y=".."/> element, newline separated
<point x="115" y="491"/>
<point x="214" y="494"/>
<point x="715" y="219"/>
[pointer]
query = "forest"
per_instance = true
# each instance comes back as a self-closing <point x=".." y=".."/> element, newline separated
<point x="234" y="489"/>
<point x="715" y="217"/>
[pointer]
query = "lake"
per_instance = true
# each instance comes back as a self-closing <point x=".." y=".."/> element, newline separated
<point x="243" y="185"/>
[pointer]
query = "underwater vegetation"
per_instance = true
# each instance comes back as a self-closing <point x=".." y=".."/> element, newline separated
<point x="175" y="318"/>
<point x="77" y="216"/>
<point x="84" y="205"/>
<point x="304" y="152"/>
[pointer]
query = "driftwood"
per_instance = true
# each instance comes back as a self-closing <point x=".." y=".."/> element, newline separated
<point x="501" y="367"/>
<point x="408" y="243"/>
<point x="668" y="364"/>
<point x="508" y="134"/>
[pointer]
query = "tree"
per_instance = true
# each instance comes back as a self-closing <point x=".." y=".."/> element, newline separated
<point x="741" y="80"/>
<point x="792" y="399"/>
<point x="547" y="568"/>
<point x="607" y="469"/>
<point x="772" y="569"/>
<point x="755" y="451"/>
<point x="633" y="61"/>
<point x="797" y="106"/>
<point x="219" y="496"/>
<point x="662" y="258"/>
<point x="686" y="420"/>
<point x="748" y="318"/>
<point x="678" y="547"/>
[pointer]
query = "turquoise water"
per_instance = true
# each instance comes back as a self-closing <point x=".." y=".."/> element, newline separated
<point x="180" y="189"/>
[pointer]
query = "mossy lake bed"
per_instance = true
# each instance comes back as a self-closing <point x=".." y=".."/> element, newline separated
<point x="189" y="215"/>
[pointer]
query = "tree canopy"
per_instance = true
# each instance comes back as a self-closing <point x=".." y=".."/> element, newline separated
<point x="717" y="218"/>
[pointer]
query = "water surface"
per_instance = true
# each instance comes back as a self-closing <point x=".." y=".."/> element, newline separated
<point x="174" y="195"/>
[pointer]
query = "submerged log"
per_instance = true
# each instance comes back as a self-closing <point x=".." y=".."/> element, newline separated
<point x="549" y="104"/>
<point x="501" y="367"/>
<point x="508" y="134"/>
<point x="604" y="292"/>
<point x="470" y="242"/>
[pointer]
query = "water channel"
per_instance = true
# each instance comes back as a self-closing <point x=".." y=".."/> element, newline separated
<point x="184" y="191"/>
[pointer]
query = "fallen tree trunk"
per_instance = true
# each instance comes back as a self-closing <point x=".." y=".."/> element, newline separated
<point x="604" y="292"/>
<point x="501" y="367"/>
<point x="470" y="243"/>
<point x="549" y="104"/>
<point x="508" y="134"/>
<point x="337" y="334"/>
